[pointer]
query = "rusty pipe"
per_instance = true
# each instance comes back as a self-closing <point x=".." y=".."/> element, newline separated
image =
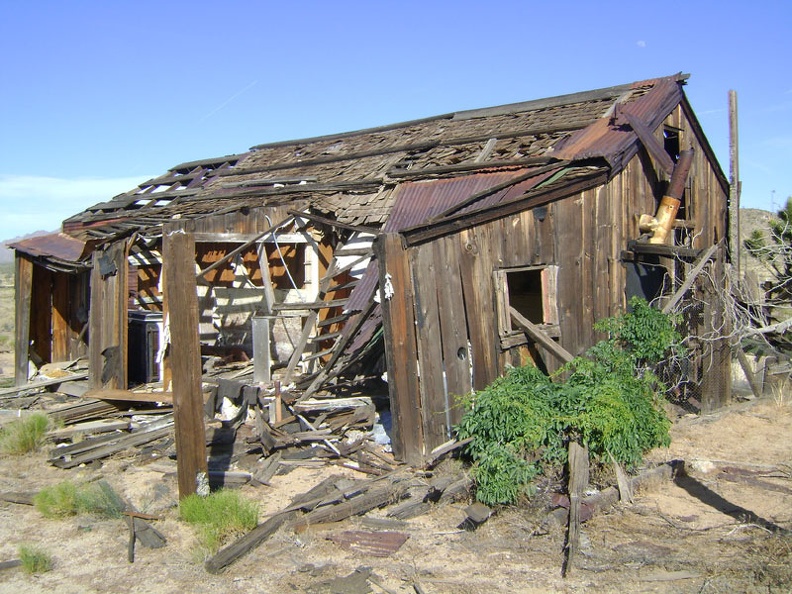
<point x="669" y="205"/>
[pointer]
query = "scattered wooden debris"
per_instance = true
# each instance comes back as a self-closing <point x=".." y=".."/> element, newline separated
<point x="96" y="448"/>
<point x="607" y="497"/>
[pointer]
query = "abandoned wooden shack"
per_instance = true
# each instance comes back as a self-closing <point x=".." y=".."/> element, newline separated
<point x="434" y="252"/>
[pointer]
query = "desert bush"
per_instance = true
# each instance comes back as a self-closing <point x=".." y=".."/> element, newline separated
<point x="67" y="499"/>
<point x="34" y="559"/>
<point x="609" y="401"/>
<point x="24" y="435"/>
<point x="218" y="516"/>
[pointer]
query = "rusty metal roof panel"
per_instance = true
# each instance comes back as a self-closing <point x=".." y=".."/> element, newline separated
<point x="55" y="245"/>
<point x="651" y="101"/>
<point x="417" y="201"/>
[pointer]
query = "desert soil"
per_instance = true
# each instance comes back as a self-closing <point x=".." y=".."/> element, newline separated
<point x="723" y="528"/>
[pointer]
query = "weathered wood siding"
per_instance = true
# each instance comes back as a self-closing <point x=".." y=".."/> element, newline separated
<point x="455" y="312"/>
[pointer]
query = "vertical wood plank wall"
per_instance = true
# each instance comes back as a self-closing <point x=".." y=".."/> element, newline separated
<point x="401" y="350"/>
<point x="455" y="310"/>
<point x="23" y="282"/>
<point x="108" y="320"/>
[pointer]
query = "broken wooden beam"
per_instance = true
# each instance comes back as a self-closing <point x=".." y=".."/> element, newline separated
<point x="43" y="384"/>
<point x="539" y="336"/>
<point x="103" y="446"/>
<point x="129" y="395"/>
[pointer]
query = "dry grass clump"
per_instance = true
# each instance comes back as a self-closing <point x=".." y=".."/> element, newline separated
<point x="218" y="516"/>
<point x="34" y="559"/>
<point x="67" y="499"/>
<point x="24" y="435"/>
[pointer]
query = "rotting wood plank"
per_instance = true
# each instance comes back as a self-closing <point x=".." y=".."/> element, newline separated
<point x="578" y="480"/>
<point x="23" y="298"/>
<point x="263" y="531"/>
<point x="181" y="288"/>
<point x="129" y="395"/>
<point x="453" y="328"/>
<point x="60" y="317"/>
<point x="698" y="266"/>
<point x="538" y="335"/>
<point x="478" y="309"/>
<point x="434" y="397"/>
<point x="248" y="542"/>
<point x="66" y="460"/>
<point x="610" y="496"/>
<point x="44" y="383"/>
<point x="384" y="491"/>
<point x="401" y="349"/>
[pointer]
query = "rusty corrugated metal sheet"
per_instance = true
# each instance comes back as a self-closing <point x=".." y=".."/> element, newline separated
<point x="55" y="245"/>
<point x="376" y="544"/>
<point x="606" y="140"/>
<point x="416" y="202"/>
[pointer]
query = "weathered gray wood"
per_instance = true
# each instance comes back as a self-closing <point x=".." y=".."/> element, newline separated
<point x="398" y="321"/>
<point x="537" y="334"/>
<point x="264" y="473"/>
<point x="129" y="395"/>
<point x="180" y="288"/>
<point x="247" y="543"/>
<point x="691" y="278"/>
<point x="578" y="479"/>
<point x="68" y="460"/>
<point x="43" y="384"/>
<point x="23" y="297"/>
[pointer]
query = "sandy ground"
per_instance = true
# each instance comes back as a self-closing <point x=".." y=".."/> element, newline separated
<point x="721" y="529"/>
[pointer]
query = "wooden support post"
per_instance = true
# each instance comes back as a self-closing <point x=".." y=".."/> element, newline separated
<point x="24" y="291"/>
<point x="179" y="259"/>
<point x="401" y="350"/>
<point x="578" y="479"/>
<point x="60" y="318"/>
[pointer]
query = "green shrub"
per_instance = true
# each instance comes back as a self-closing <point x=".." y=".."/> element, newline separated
<point x="218" y="516"/>
<point x="66" y="499"/>
<point x="57" y="501"/>
<point x="24" y="435"/>
<point x="522" y="423"/>
<point x="34" y="559"/>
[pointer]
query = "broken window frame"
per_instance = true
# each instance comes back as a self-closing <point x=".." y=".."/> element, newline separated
<point x="509" y="335"/>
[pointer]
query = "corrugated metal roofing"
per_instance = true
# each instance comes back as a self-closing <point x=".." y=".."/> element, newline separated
<point x="56" y="245"/>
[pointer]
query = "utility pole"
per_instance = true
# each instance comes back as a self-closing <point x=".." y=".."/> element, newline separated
<point x="734" y="184"/>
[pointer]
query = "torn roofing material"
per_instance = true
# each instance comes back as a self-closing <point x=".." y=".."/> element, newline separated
<point x="351" y="177"/>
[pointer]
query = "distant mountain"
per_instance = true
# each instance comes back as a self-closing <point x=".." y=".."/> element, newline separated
<point x="6" y="254"/>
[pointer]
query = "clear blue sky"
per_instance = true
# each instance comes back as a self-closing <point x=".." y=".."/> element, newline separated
<point x="96" y="96"/>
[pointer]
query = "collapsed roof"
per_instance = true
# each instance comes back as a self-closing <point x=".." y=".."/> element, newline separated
<point x="366" y="178"/>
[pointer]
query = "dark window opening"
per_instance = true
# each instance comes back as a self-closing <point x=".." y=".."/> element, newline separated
<point x="671" y="142"/>
<point x="525" y="294"/>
